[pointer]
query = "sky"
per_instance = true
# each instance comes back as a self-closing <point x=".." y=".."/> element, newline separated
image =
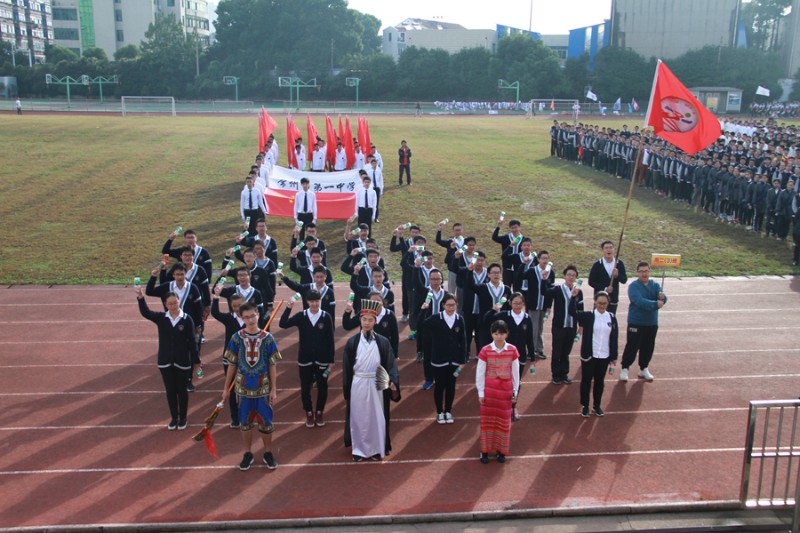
<point x="549" y="17"/>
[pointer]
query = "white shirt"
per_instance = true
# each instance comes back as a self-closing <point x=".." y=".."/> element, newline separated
<point x="254" y="196"/>
<point x="608" y="266"/>
<point x="314" y="317"/>
<point x="340" y="163"/>
<point x="367" y="198"/>
<point x="517" y="317"/>
<point x="301" y="160"/>
<point x="318" y="159"/>
<point x="361" y="161"/>
<point x="174" y="321"/>
<point x="299" y="201"/>
<point x="601" y="334"/>
<point x="450" y="320"/>
<point x="377" y="176"/>
<point x="379" y="158"/>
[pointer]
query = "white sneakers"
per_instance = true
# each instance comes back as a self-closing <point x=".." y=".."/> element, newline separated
<point x="444" y="418"/>
<point x="645" y="374"/>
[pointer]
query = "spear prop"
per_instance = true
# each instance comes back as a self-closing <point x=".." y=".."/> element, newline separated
<point x="205" y="433"/>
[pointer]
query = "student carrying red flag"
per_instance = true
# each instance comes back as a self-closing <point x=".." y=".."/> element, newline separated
<point x="677" y="116"/>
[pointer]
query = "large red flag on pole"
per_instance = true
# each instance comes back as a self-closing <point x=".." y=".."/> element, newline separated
<point x="312" y="136"/>
<point x="330" y="142"/>
<point x="261" y="139"/>
<point x="292" y="133"/>
<point x="363" y="136"/>
<point x="677" y="116"/>
<point x="349" y="145"/>
<point x="267" y="126"/>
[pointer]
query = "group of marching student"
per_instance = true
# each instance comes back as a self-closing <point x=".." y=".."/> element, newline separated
<point x="747" y="178"/>
<point x="502" y="306"/>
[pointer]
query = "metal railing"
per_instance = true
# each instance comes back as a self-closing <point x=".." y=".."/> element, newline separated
<point x="771" y="470"/>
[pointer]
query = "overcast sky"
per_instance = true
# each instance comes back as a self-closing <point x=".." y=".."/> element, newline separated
<point x="549" y="17"/>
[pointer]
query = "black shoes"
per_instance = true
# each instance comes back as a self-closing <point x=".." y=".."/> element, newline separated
<point x="269" y="460"/>
<point x="598" y="411"/>
<point x="247" y="460"/>
<point x="585" y="411"/>
<point x="485" y="458"/>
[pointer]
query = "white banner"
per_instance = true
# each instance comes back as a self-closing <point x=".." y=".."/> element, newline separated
<point x="346" y="181"/>
<point x="591" y="96"/>
<point x="763" y="91"/>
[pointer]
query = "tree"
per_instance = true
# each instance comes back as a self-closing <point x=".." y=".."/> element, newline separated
<point x="424" y="74"/>
<point x="54" y="53"/>
<point x="471" y="73"/>
<point x="168" y="57"/>
<point x="97" y="54"/>
<point x="378" y="75"/>
<point x="576" y="76"/>
<point x="127" y="52"/>
<point x="534" y="65"/>
<point x="622" y="74"/>
<point x="762" y="20"/>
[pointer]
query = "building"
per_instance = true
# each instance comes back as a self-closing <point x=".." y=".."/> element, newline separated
<point x="112" y="24"/>
<point x="666" y="29"/>
<point x="27" y="26"/>
<point x="434" y="34"/>
<point x="790" y="41"/>
<point x="588" y="40"/>
<point x="558" y="44"/>
<point x="719" y="99"/>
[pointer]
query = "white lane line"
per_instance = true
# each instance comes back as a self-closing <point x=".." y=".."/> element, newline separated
<point x="411" y="420"/>
<point x="411" y="389"/>
<point x="386" y="462"/>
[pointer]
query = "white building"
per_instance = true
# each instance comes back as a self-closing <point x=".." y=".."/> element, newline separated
<point x="432" y="34"/>
<point x="27" y="26"/>
<point x="112" y="24"/>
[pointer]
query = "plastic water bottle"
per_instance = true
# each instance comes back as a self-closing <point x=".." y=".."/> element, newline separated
<point x="532" y="370"/>
<point x="502" y="215"/>
<point x="351" y="297"/>
<point x="297" y="297"/>
<point x="457" y="372"/>
<point x="236" y="248"/>
<point x="247" y="220"/>
<point x="178" y="230"/>
<point x="445" y="221"/>
<point x="245" y="233"/>
<point x="200" y="373"/>
<point x="407" y="225"/>
<point x="222" y="281"/>
<point x="326" y="373"/>
<point x="611" y="369"/>
<point x="137" y="282"/>
<point x="355" y="231"/>
<point x="577" y="337"/>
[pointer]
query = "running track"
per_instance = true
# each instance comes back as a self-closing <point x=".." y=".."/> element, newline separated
<point x="83" y="438"/>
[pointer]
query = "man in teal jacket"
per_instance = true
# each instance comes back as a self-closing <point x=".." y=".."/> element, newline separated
<point x="646" y="298"/>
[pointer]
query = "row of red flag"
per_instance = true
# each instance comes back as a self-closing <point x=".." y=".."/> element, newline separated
<point x="267" y="126"/>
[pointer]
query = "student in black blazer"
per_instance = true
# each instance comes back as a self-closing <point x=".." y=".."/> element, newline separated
<point x="520" y="334"/>
<point x="564" y="328"/>
<point x="534" y="283"/>
<point x="472" y="277"/>
<point x="319" y="285"/>
<point x="377" y="284"/>
<point x="446" y="349"/>
<point x="314" y="354"/>
<point x="177" y="352"/>
<point x="600" y="324"/>
<point x="233" y="323"/>
<point x="492" y="297"/>
<point x="603" y="270"/>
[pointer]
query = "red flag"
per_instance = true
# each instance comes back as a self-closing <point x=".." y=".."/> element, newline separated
<point x="261" y="139"/>
<point x="312" y="136"/>
<point x="330" y="142"/>
<point x="291" y="155"/>
<point x="349" y="145"/>
<point x="634" y="104"/>
<point x="268" y="125"/>
<point x="362" y="136"/>
<point x="368" y="140"/>
<point x="677" y="116"/>
<point x="553" y="104"/>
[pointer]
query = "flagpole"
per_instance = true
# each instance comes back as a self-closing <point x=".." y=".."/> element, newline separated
<point x="652" y="96"/>
<point x="639" y="157"/>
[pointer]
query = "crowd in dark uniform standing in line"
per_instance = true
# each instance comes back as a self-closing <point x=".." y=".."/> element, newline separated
<point x="746" y="178"/>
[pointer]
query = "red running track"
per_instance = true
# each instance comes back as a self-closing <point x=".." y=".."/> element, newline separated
<point x="82" y="420"/>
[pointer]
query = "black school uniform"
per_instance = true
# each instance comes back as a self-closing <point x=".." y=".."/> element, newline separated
<point x="563" y="329"/>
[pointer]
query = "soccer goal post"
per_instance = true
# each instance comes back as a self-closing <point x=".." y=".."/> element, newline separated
<point x="145" y="105"/>
<point x="554" y="106"/>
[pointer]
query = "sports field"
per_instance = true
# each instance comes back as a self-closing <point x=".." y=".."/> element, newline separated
<point x="90" y="199"/>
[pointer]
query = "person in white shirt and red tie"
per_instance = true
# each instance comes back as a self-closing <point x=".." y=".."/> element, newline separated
<point x="366" y="202"/>
<point x="305" y="207"/>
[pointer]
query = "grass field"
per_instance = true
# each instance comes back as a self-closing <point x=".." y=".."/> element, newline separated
<point x="91" y="199"/>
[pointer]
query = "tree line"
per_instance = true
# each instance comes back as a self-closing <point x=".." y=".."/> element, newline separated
<point x="261" y="40"/>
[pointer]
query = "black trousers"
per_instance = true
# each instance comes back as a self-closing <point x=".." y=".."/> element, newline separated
<point x="308" y="375"/>
<point x="175" y="380"/>
<point x="378" y="201"/>
<point x="255" y="215"/>
<point x="365" y="217"/>
<point x="593" y="370"/>
<point x="407" y="169"/>
<point x="471" y="326"/>
<point x="444" y="391"/>
<point x="563" y="339"/>
<point x="306" y="219"/>
<point x="406" y="292"/>
<point x="641" y="339"/>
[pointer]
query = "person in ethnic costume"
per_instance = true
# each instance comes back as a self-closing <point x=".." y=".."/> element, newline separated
<point x="254" y="354"/>
<point x="497" y="380"/>
<point x="367" y="411"/>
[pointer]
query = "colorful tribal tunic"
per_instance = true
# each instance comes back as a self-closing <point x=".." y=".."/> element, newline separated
<point x="252" y="355"/>
<point x="497" y="379"/>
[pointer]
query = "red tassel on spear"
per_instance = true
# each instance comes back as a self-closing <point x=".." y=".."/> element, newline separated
<point x="205" y="433"/>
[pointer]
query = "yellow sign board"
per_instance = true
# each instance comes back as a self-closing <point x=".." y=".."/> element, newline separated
<point x="665" y="260"/>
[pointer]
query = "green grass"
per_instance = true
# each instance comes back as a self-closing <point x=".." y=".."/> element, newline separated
<point x="91" y="199"/>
